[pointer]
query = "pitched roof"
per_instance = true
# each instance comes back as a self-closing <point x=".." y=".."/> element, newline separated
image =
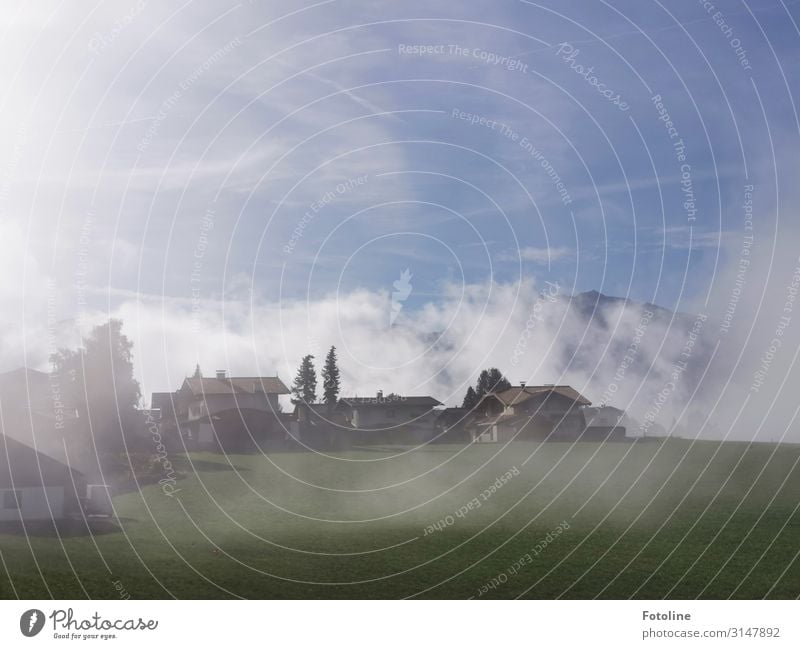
<point x="237" y="385"/>
<point x="519" y="394"/>
<point x="319" y="409"/>
<point x="23" y="386"/>
<point x="391" y="401"/>
<point x="597" y="409"/>
<point x="24" y="466"/>
<point x="21" y="373"/>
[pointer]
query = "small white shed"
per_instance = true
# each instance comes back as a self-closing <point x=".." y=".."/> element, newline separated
<point x="35" y="486"/>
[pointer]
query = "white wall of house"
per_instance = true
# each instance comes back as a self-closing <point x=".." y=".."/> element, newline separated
<point x="34" y="504"/>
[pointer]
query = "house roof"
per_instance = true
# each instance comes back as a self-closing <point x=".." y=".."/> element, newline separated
<point x="236" y="385"/>
<point x="23" y="466"/>
<point x="319" y="408"/>
<point x="391" y="401"/>
<point x="520" y="394"/>
<point x="22" y="373"/>
<point x="597" y="409"/>
<point x="23" y="386"/>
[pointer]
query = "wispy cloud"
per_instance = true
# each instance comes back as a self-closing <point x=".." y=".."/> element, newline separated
<point x="540" y="256"/>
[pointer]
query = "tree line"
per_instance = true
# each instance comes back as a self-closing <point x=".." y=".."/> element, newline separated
<point x="304" y="388"/>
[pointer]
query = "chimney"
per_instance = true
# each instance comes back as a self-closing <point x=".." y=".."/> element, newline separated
<point x="222" y="374"/>
<point x="522" y="383"/>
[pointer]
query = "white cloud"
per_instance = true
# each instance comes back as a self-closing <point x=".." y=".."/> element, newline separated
<point x="541" y="256"/>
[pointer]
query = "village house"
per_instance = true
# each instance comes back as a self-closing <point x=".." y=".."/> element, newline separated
<point x="451" y="426"/>
<point x="224" y="413"/>
<point x="390" y="419"/>
<point x="529" y="412"/>
<point x="320" y="426"/>
<point x="390" y="411"/>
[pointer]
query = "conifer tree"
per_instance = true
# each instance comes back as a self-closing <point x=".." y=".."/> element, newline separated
<point x="330" y="378"/>
<point x="304" y="388"/>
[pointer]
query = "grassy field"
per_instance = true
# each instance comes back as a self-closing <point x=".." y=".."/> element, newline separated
<point x="650" y="520"/>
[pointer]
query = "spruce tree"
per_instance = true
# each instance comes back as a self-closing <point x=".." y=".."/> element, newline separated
<point x="470" y="398"/>
<point x="330" y="378"/>
<point x="304" y="388"/>
<point x="491" y="380"/>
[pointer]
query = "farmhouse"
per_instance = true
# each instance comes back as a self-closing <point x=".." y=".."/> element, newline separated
<point x="524" y="412"/>
<point x="35" y="486"/>
<point x="390" y="419"/>
<point x="224" y="413"/>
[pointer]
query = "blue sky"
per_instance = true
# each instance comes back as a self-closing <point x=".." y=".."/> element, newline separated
<point x="299" y="103"/>
<point x="233" y="156"/>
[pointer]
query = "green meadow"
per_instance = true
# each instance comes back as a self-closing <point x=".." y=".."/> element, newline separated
<point x="655" y="519"/>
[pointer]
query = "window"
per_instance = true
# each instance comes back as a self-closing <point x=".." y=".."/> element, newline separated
<point x="12" y="499"/>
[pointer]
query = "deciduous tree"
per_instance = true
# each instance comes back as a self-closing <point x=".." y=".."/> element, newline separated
<point x="98" y="383"/>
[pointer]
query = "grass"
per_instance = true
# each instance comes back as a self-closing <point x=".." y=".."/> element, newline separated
<point x="658" y="519"/>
